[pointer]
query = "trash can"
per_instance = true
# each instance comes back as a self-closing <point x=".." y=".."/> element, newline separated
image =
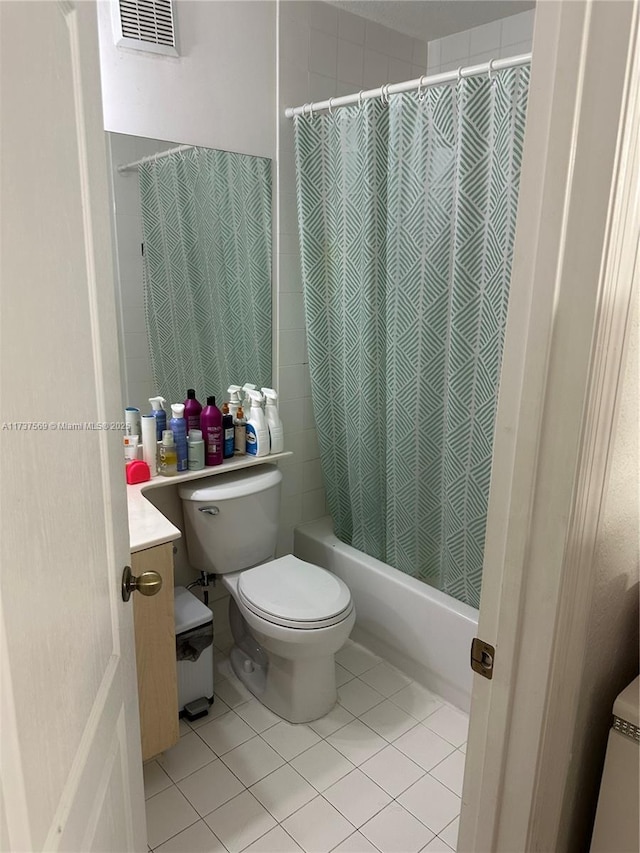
<point x="194" y="654"/>
<point x="616" y="826"/>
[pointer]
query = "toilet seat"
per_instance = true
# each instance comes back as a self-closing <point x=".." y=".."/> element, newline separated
<point x="295" y="594"/>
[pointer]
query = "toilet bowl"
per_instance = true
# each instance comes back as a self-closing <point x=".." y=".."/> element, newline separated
<point x="287" y="617"/>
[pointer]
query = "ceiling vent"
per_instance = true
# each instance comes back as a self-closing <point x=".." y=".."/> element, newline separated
<point x="145" y="25"/>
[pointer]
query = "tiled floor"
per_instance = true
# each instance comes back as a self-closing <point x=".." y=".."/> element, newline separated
<point x="381" y="772"/>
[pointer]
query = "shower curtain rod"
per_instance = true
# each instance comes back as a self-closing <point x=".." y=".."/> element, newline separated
<point x="409" y="85"/>
<point x="129" y="167"/>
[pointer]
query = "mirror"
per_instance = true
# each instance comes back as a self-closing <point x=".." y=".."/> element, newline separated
<point x="193" y="257"/>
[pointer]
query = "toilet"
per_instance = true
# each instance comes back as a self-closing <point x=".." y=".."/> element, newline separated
<point x="287" y="617"/>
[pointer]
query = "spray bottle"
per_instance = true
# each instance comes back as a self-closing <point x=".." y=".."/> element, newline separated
<point x="246" y="400"/>
<point x="234" y="399"/>
<point x="178" y="427"/>
<point x="257" y="429"/>
<point x="159" y="414"/>
<point x="276" y="431"/>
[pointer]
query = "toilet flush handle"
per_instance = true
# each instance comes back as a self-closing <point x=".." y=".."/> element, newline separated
<point x="209" y="510"/>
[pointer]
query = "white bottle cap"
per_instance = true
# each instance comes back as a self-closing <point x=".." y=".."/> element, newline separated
<point x="195" y="435"/>
<point x="167" y="438"/>
<point x="177" y="410"/>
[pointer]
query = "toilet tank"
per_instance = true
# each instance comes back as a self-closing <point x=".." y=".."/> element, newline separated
<point x="231" y="520"/>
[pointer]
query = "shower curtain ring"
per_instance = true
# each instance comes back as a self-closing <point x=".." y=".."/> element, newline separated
<point x="360" y="98"/>
<point x="491" y="71"/>
<point x="421" y="94"/>
<point x="459" y="75"/>
<point x="330" y="106"/>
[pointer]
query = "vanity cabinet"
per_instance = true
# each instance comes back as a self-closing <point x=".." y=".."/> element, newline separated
<point x="156" y="653"/>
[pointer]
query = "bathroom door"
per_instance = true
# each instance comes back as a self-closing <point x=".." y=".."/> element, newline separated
<point x="71" y="772"/>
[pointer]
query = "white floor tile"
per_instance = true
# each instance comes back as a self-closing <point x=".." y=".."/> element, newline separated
<point x="290" y="740"/>
<point x="252" y="761"/>
<point x="221" y="667"/>
<point x="450" y="833"/>
<point x="226" y="732"/>
<point x="450" y="724"/>
<point x="392" y="770"/>
<point x="168" y="813"/>
<point x="275" y="841"/>
<point x="394" y="830"/>
<point x="198" y="838"/>
<point x="210" y="787"/>
<point x="357" y="697"/>
<point x="356" y="658"/>
<point x="356" y="843"/>
<point x="217" y="709"/>
<point x="155" y="779"/>
<point x="283" y="792"/>
<point x="342" y="675"/>
<point x="233" y="692"/>
<point x="357" y="797"/>
<point x="257" y="715"/>
<point x="357" y="742"/>
<point x="463" y="748"/>
<point x="240" y="822"/>
<point x="331" y="722"/>
<point x="432" y="803"/>
<point x="222" y="641"/>
<point x="417" y="700"/>
<point x="183" y="727"/>
<point x="451" y="772"/>
<point x="423" y="746"/>
<point x="437" y="846"/>
<point x="388" y="720"/>
<point x="322" y="765"/>
<point x="318" y="827"/>
<point x="385" y="679"/>
<point x="187" y="756"/>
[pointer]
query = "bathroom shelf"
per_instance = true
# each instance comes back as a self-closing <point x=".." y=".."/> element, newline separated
<point x="236" y="463"/>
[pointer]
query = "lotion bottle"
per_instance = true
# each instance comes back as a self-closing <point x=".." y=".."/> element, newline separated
<point x="276" y="431"/>
<point x="257" y="429"/>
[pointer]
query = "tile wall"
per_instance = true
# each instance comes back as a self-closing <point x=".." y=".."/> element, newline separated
<point x="497" y="40"/>
<point x="323" y="52"/>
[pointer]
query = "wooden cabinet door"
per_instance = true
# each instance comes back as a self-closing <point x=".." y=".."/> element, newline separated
<point x="156" y="653"/>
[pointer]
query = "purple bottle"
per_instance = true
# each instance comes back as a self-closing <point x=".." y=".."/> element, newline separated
<point x="192" y="410"/>
<point x="211" y="426"/>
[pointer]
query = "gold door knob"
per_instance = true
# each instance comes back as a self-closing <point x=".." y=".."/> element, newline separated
<point x="148" y="583"/>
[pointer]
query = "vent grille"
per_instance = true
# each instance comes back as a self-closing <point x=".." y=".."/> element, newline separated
<point x="148" y="21"/>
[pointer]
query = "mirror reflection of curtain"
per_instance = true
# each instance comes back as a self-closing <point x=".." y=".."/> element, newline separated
<point x="206" y="219"/>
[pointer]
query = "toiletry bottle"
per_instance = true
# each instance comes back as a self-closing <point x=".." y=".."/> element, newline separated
<point x="240" y="433"/>
<point x="211" y="425"/>
<point x="150" y="443"/>
<point x="168" y="458"/>
<point x="159" y="414"/>
<point x="132" y="420"/>
<point x="228" y="438"/>
<point x="195" y="450"/>
<point x="234" y="392"/>
<point x="257" y="429"/>
<point x="276" y="431"/>
<point x="178" y="427"/>
<point x="192" y="410"/>
<point x="130" y="447"/>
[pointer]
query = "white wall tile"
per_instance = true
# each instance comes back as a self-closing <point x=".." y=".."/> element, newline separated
<point x="323" y="16"/>
<point x="376" y="68"/>
<point x="294" y="43"/>
<point x="351" y="27"/>
<point x="433" y="53"/>
<point x="419" y="53"/>
<point x="291" y="311"/>
<point x="517" y="28"/>
<point x="377" y="37"/>
<point x="291" y="381"/>
<point x="320" y="87"/>
<point x="312" y="475"/>
<point x="292" y="416"/>
<point x="290" y="274"/>
<point x="454" y="47"/>
<point x="313" y="505"/>
<point x="292" y="346"/>
<point x="400" y="45"/>
<point x="485" y="38"/>
<point x="399" y="71"/>
<point x="323" y="53"/>
<point x="350" y="62"/>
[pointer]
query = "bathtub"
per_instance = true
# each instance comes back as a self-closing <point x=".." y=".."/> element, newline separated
<point x="419" y="629"/>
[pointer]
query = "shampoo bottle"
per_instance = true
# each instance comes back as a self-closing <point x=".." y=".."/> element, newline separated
<point x="159" y="414"/>
<point x="228" y="444"/>
<point x="257" y="429"/>
<point x="167" y="455"/>
<point x="192" y="410"/>
<point x="211" y="425"/>
<point x="276" y="432"/>
<point x="240" y="433"/>
<point x="178" y="427"/>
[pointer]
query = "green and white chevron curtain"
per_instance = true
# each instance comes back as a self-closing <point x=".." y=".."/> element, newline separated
<point x="207" y="259"/>
<point x="407" y="218"/>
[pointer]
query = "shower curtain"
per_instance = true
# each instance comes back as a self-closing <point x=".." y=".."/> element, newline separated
<point x="407" y="216"/>
<point x="206" y="219"/>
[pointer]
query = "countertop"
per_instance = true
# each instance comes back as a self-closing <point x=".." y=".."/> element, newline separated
<point x="148" y="526"/>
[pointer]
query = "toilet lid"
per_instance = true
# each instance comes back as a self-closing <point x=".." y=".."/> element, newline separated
<point x="292" y="591"/>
